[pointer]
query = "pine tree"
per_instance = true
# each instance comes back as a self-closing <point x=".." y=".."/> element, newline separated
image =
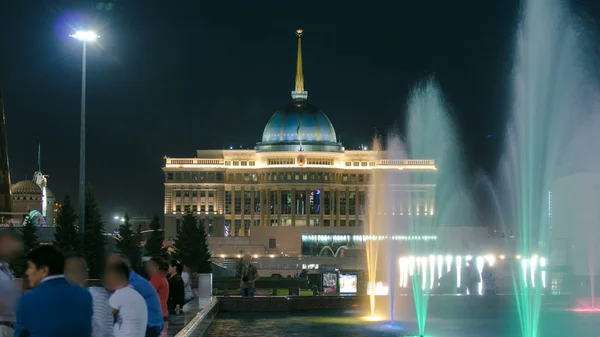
<point x="94" y="239"/>
<point x="128" y="243"/>
<point x="30" y="241"/>
<point x="204" y="263"/>
<point x="154" y="245"/>
<point x="190" y="244"/>
<point x="66" y="235"/>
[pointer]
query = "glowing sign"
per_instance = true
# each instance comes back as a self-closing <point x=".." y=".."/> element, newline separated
<point x="348" y="283"/>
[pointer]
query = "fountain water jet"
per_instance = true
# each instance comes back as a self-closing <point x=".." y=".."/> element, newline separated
<point x="550" y="89"/>
<point x="394" y="208"/>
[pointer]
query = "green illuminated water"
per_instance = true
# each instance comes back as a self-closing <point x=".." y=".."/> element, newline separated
<point x="549" y="88"/>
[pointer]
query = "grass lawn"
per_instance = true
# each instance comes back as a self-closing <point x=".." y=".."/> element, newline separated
<point x="267" y="292"/>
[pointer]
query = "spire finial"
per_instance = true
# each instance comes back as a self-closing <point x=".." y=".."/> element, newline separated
<point x="299" y="93"/>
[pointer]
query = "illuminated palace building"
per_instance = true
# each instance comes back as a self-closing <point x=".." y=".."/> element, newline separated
<point x="298" y="180"/>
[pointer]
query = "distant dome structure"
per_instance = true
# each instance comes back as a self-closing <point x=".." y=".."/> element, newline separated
<point x="298" y="125"/>
<point x="27" y="188"/>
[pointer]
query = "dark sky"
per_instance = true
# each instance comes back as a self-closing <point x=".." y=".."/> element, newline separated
<point x="170" y="77"/>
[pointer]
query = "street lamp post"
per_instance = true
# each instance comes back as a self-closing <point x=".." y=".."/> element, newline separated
<point x="84" y="37"/>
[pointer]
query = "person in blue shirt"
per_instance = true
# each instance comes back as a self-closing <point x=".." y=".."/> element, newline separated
<point x="55" y="307"/>
<point x="143" y="286"/>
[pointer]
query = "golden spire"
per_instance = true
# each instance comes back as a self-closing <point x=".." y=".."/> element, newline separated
<point x="299" y="93"/>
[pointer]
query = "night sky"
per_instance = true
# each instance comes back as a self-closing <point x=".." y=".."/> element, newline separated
<point x="167" y="78"/>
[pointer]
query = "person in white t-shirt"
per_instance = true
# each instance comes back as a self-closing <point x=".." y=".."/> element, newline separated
<point x="128" y="306"/>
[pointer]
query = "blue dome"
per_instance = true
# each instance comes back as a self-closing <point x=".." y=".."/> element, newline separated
<point x="299" y="121"/>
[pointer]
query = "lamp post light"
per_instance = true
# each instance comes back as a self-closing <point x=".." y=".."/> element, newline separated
<point x="84" y="37"/>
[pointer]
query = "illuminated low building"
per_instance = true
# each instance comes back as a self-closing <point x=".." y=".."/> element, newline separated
<point x="298" y="180"/>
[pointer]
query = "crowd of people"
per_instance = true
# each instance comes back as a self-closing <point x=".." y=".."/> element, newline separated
<point x="60" y="303"/>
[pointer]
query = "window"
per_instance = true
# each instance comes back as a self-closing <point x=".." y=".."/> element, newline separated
<point x="227" y="202"/>
<point x="256" y="205"/>
<point x="202" y="208"/>
<point x="246" y="227"/>
<point x="305" y="176"/>
<point x="178" y="194"/>
<point x="361" y="202"/>
<point x="327" y="203"/>
<point x="194" y="176"/>
<point x="315" y="201"/>
<point x="177" y="208"/>
<point x="352" y="223"/>
<point x="342" y="223"/>
<point x="177" y="175"/>
<point x="281" y="161"/>
<point x="286" y="202"/>
<point x="211" y="208"/>
<point x="246" y="177"/>
<point x="211" y="229"/>
<point x="352" y="203"/>
<point x="343" y="202"/>
<point x="272" y="202"/>
<point x="345" y="178"/>
<point x="194" y="194"/>
<point x="170" y="176"/>
<point x="326" y="223"/>
<point x="238" y="202"/>
<point x="219" y="176"/>
<point x="247" y="202"/>
<point x="194" y="208"/>
<point x="360" y="178"/>
<point x="272" y="243"/>
<point x="237" y="227"/>
<point x="186" y="194"/>
<point x="256" y="223"/>
<point x="300" y="202"/>
<point x="227" y="228"/>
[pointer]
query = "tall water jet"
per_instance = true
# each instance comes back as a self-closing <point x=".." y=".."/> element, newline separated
<point x="550" y="92"/>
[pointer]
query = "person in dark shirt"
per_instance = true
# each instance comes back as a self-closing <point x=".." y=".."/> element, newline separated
<point x="176" y="288"/>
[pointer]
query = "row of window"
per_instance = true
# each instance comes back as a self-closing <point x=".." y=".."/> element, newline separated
<point x="316" y="176"/>
<point x="240" y="163"/>
<point x="242" y="199"/>
<point x="195" y="176"/>
<point x="210" y="228"/>
<point x="360" y="163"/>
<point x="238" y="229"/>
<point x="205" y="177"/>
<point x="282" y="202"/>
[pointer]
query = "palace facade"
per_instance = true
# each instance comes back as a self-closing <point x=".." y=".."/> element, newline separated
<point x="298" y="180"/>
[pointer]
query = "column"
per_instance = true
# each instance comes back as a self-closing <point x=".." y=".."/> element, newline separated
<point x="307" y="206"/>
<point x="293" y="207"/>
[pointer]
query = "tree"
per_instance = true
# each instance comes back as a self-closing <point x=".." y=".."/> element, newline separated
<point x="128" y="243"/>
<point x="66" y="235"/>
<point x="239" y="268"/>
<point x="94" y="238"/>
<point x="30" y="241"/>
<point x="154" y="245"/>
<point x="204" y="265"/>
<point x="191" y="246"/>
